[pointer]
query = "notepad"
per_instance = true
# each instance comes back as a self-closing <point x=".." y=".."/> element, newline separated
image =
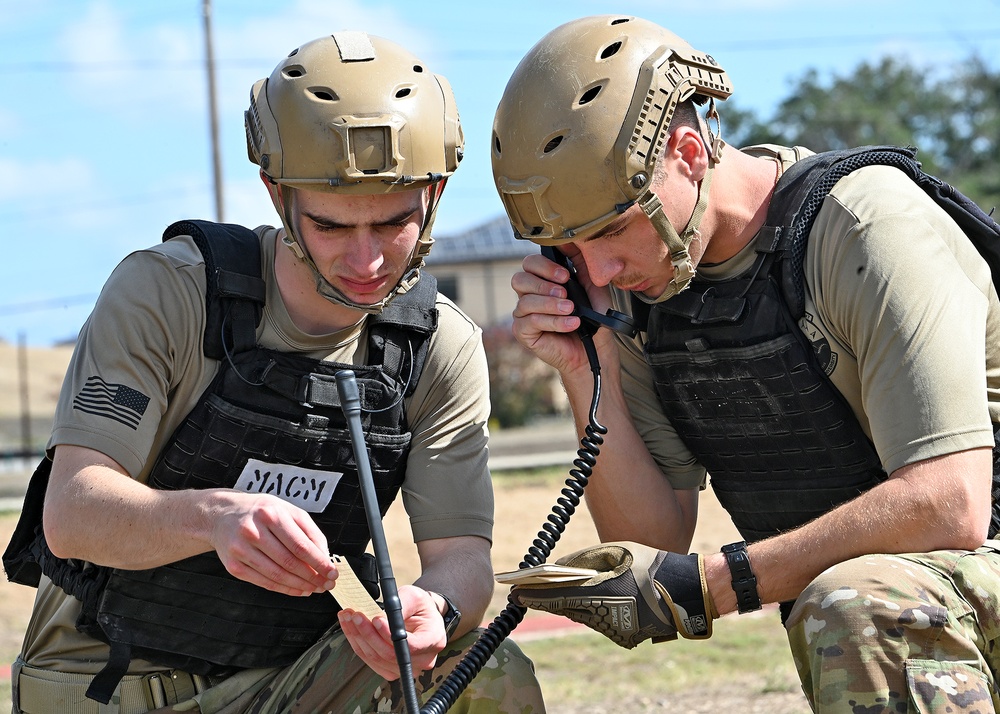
<point x="350" y="593"/>
<point x="545" y="573"/>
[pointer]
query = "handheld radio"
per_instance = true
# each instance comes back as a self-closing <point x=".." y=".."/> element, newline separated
<point x="590" y="319"/>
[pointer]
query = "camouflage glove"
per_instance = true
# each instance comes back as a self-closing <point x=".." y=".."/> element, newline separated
<point x="639" y="593"/>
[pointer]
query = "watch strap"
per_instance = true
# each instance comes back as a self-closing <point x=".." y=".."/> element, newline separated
<point x="452" y="616"/>
<point x="744" y="581"/>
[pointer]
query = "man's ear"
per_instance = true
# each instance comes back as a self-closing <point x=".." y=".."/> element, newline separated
<point x="688" y="146"/>
<point x="432" y="194"/>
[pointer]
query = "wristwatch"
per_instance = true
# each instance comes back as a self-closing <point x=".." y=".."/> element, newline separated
<point x="744" y="581"/>
<point x="452" y="616"/>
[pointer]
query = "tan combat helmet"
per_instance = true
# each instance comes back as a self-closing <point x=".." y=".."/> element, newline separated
<point x="358" y="114"/>
<point x="583" y="121"/>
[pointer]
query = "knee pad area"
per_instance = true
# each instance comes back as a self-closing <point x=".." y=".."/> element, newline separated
<point x="870" y="600"/>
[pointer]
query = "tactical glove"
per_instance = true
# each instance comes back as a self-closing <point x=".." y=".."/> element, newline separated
<point x="639" y="593"/>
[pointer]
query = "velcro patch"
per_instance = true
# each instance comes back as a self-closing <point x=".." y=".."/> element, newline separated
<point x="308" y="489"/>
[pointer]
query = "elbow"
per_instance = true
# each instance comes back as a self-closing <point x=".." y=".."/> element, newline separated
<point x="57" y="537"/>
<point x="971" y="537"/>
<point x="975" y="514"/>
<point x="60" y="525"/>
<point x="964" y="521"/>
<point x="947" y="500"/>
<point x="975" y="528"/>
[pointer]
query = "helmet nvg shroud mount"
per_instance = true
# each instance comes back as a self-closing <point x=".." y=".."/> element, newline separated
<point x="357" y="114"/>
<point x="583" y="121"/>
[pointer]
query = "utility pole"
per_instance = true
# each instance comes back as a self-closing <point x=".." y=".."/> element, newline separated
<point x="22" y="371"/>
<point x="206" y="11"/>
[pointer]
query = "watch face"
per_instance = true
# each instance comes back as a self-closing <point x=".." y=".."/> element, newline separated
<point x="452" y="617"/>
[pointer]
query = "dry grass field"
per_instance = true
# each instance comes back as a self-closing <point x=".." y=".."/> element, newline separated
<point x="39" y="375"/>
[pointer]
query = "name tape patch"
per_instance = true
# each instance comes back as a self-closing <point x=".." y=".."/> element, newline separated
<point x="308" y="489"/>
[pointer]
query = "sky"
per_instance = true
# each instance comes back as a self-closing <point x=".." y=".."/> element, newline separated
<point x="105" y="130"/>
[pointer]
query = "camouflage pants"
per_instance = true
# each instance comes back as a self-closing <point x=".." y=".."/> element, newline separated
<point x="330" y="678"/>
<point x="914" y="633"/>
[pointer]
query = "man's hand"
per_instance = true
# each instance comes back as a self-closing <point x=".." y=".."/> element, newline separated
<point x="543" y="322"/>
<point x="271" y="543"/>
<point x="638" y="594"/>
<point x="371" y="640"/>
<point x="259" y="538"/>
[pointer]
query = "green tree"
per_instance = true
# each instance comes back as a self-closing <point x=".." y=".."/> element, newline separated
<point x="951" y="115"/>
<point x="971" y="140"/>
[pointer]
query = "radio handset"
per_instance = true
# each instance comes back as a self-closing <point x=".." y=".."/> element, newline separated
<point x="590" y="319"/>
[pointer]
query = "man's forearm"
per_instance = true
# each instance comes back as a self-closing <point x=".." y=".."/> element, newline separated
<point x="628" y="496"/>
<point x="97" y="513"/>
<point x="933" y="505"/>
<point x="460" y="568"/>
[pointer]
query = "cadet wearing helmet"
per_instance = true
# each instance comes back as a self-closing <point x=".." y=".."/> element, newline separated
<point x="840" y="385"/>
<point x="202" y="495"/>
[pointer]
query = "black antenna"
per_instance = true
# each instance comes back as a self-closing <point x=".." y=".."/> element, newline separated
<point x="350" y="402"/>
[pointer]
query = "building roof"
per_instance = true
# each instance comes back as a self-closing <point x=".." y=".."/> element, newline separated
<point x="490" y="241"/>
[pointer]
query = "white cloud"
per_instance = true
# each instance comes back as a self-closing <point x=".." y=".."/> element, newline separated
<point x="130" y="71"/>
<point x="270" y="38"/>
<point x="307" y="19"/>
<point x="35" y="183"/>
<point x="159" y="68"/>
<point x="97" y="37"/>
<point x="773" y="5"/>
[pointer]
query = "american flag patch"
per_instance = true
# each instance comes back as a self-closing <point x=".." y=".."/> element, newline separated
<point x="114" y="401"/>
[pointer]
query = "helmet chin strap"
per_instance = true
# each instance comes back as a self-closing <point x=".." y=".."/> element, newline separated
<point x="324" y="287"/>
<point x="677" y="245"/>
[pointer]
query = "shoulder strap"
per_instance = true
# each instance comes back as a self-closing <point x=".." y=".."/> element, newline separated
<point x="236" y="291"/>
<point x="399" y="335"/>
<point x="800" y="193"/>
<point x="982" y="230"/>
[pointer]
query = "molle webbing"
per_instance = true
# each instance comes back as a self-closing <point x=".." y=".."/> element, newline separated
<point x="805" y="185"/>
<point x="748" y="399"/>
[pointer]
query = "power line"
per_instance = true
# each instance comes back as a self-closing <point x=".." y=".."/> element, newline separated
<point x="789" y="43"/>
<point x="130" y="65"/>
<point x="47" y="304"/>
<point x="755" y="45"/>
<point x="44" y="212"/>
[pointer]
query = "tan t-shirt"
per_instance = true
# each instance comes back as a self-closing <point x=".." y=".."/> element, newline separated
<point x="146" y="334"/>
<point x="908" y="311"/>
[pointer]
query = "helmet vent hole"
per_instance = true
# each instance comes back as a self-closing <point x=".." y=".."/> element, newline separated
<point x="589" y="96"/>
<point x="552" y="144"/>
<point x="324" y="94"/>
<point x="535" y="230"/>
<point x="611" y="49"/>
<point x="417" y="68"/>
<point x="496" y="144"/>
<point x="404" y="92"/>
<point x="619" y="20"/>
<point x="294" y="70"/>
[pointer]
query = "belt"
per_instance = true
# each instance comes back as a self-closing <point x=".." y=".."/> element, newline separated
<point x="40" y="691"/>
